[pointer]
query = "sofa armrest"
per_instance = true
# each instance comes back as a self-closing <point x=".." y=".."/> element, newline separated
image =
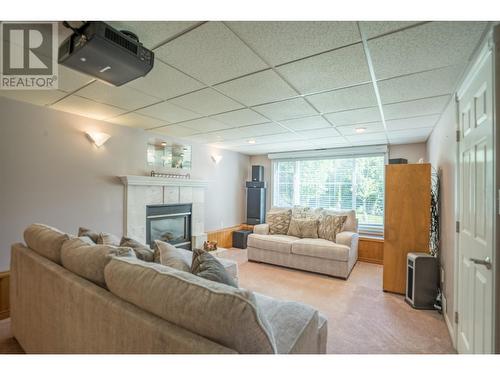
<point x="347" y="238"/>
<point x="261" y="229"/>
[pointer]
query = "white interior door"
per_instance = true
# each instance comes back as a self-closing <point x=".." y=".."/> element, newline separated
<point x="477" y="207"/>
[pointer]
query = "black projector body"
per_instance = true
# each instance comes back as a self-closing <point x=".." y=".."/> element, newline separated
<point x="105" y="53"/>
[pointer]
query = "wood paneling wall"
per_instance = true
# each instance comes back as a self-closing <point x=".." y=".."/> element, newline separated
<point x="4" y="295"/>
<point x="407" y="219"/>
<point x="371" y="250"/>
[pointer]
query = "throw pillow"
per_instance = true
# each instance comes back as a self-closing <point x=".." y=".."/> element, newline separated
<point x="278" y="221"/>
<point x="171" y="256"/>
<point x="85" y="232"/>
<point x="330" y="225"/>
<point x="205" y="265"/>
<point x="108" y="239"/>
<point x="303" y="228"/>
<point x="141" y="251"/>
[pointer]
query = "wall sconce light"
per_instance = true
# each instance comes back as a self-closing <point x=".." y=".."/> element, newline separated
<point x="216" y="158"/>
<point x="98" y="138"/>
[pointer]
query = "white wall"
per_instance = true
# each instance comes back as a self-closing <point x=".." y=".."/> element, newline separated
<point x="51" y="173"/>
<point x="413" y="152"/>
<point x="441" y="153"/>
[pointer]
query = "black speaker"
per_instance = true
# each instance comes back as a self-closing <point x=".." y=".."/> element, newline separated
<point x="256" y="205"/>
<point x="257" y="173"/>
<point x="398" y="161"/>
<point x="421" y="280"/>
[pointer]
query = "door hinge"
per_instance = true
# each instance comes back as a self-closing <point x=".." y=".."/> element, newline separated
<point x="456" y="317"/>
<point x="458" y="135"/>
<point x="457" y="226"/>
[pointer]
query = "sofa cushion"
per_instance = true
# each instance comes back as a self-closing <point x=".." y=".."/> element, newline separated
<point x="279" y="221"/>
<point x="330" y="225"/>
<point x="86" y="232"/>
<point x="141" y="251"/>
<point x="320" y="248"/>
<point x="207" y="266"/>
<point x="88" y="261"/>
<point x="108" y="239"/>
<point x="303" y="228"/>
<point x="276" y="242"/>
<point x="45" y="241"/>
<point x="171" y="256"/>
<point x="350" y="224"/>
<point x="294" y="325"/>
<point x="231" y="267"/>
<point x="221" y="313"/>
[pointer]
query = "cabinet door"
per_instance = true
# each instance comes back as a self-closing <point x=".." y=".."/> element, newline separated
<point x="407" y="219"/>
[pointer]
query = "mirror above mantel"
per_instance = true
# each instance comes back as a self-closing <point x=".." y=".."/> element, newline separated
<point x="165" y="155"/>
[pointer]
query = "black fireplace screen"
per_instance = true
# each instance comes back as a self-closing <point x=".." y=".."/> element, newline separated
<point x="170" y="223"/>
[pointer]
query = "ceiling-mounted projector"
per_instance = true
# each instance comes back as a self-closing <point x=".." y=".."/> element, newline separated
<point x="112" y="56"/>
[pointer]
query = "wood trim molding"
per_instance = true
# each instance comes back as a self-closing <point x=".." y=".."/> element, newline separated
<point x="224" y="236"/>
<point x="4" y="295"/>
<point x="371" y="250"/>
<point x="160" y="181"/>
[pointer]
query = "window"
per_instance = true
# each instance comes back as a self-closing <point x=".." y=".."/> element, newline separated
<point x="334" y="183"/>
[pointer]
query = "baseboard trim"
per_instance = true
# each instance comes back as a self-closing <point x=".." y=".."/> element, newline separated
<point x="451" y="330"/>
<point x="371" y="260"/>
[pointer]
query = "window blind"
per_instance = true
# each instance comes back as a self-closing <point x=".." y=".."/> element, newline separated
<point x="334" y="183"/>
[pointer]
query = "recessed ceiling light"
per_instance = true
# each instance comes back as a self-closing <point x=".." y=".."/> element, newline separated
<point x="360" y="130"/>
<point x="164" y="144"/>
<point x="251" y="141"/>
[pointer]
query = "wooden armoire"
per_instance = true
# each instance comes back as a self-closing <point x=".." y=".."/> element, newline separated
<point x="406" y="219"/>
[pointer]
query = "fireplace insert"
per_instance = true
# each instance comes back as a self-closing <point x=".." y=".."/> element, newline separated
<point x="170" y="223"/>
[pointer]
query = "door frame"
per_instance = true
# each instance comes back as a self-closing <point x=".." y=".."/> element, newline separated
<point x="490" y="44"/>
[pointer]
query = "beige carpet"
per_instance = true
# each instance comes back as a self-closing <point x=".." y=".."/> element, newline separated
<point x="361" y="317"/>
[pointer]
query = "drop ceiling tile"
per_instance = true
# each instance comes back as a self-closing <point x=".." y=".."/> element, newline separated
<point x="412" y="123"/>
<point x="205" y="124"/>
<point x="70" y="80"/>
<point x="421" y="85"/>
<point x="368" y="138"/>
<point x="286" y="110"/>
<point x="370" y="127"/>
<point x="123" y="97"/>
<point x="306" y="123"/>
<point x="206" y="101"/>
<point x="345" y="99"/>
<point x="412" y="108"/>
<point x="415" y="135"/>
<point x="279" y="42"/>
<point x="175" y="131"/>
<point x="165" y="82"/>
<point x="329" y="142"/>
<point x="258" y="88"/>
<point x="428" y="46"/>
<point x="240" y="117"/>
<point x="355" y="116"/>
<point x="205" y="137"/>
<point x="340" y="68"/>
<point x="278" y="138"/>
<point x="37" y="97"/>
<point x="408" y="140"/>
<point x="153" y="33"/>
<point x="240" y="136"/>
<point x="136" y="120"/>
<point x="88" y="108"/>
<point x="373" y="29"/>
<point x="168" y="112"/>
<point x="210" y="53"/>
<point x="320" y="133"/>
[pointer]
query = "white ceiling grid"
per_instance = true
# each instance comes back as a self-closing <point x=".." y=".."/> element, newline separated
<point x="285" y="85"/>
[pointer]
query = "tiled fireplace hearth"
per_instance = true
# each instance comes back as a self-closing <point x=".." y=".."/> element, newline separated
<point x="143" y="191"/>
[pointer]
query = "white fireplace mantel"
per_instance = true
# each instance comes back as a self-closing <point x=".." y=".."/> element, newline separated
<point x="141" y="191"/>
<point x="161" y="181"/>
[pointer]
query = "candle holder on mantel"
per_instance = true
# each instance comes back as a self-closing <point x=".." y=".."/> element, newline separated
<point x="170" y="175"/>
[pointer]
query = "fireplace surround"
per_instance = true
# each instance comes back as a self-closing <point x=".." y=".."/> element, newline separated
<point x="143" y="191"/>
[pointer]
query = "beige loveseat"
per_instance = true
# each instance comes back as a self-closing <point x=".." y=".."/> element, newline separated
<point x="142" y="307"/>
<point x="309" y="254"/>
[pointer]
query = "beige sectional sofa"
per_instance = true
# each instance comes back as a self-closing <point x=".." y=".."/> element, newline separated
<point x="142" y="307"/>
<point x="309" y="254"/>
